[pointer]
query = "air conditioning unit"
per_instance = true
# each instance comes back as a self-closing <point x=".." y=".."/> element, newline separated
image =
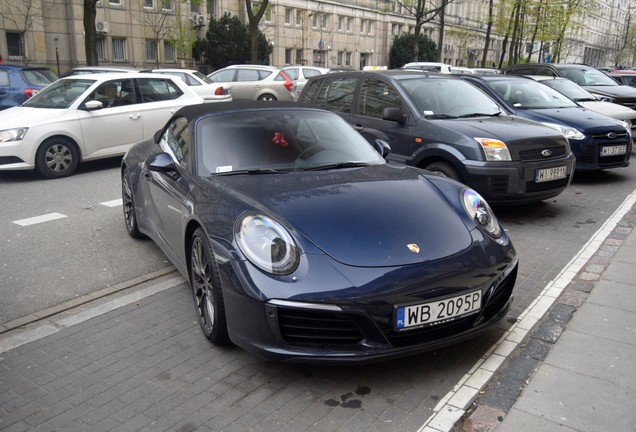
<point x="199" y="20"/>
<point x="101" y="26"/>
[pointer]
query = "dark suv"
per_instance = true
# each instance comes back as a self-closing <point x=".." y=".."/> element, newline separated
<point x="449" y="126"/>
<point x="18" y="83"/>
<point x="588" y="77"/>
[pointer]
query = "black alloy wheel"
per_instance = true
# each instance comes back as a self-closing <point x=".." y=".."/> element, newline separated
<point x="128" y="203"/>
<point x="443" y="169"/>
<point x="206" y="289"/>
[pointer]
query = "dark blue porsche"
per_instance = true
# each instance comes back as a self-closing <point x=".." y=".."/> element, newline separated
<point x="597" y="141"/>
<point x="300" y="242"/>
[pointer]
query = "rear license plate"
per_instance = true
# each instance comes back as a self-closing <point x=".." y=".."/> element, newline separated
<point x="436" y="312"/>
<point x="549" y="174"/>
<point x="614" y="150"/>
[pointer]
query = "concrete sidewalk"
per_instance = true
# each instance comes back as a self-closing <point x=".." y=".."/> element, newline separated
<point x="575" y="369"/>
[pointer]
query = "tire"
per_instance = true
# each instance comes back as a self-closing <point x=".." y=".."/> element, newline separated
<point x="443" y="169"/>
<point x="128" y="201"/>
<point x="206" y="289"/>
<point x="267" y="97"/>
<point x="56" y="158"/>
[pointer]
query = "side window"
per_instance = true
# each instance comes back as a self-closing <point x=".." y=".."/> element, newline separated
<point x="155" y="89"/>
<point x="115" y="93"/>
<point x="376" y="95"/>
<point x="337" y="94"/>
<point x="310" y="91"/>
<point x="292" y="73"/>
<point x="247" y="75"/>
<point x="224" y="76"/>
<point x="176" y="141"/>
<point x="311" y="73"/>
<point x="4" y="78"/>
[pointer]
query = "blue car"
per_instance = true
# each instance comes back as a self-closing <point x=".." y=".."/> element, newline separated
<point x="18" y="83"/>
<point x="597" y="141"/>
<point x="302" y="243"/>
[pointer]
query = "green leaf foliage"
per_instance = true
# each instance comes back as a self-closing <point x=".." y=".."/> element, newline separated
<point x="227" y="42"/>
<point x="402" y="50"/>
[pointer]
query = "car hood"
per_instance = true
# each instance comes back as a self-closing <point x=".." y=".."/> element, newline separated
<point x="610" y="109"/>
<point x="580" y="118"/>
<point x="505" y="128"/>
<point x="619" y="91"/>
<point x="25" y="116"/>
<point x="364" y="217"/>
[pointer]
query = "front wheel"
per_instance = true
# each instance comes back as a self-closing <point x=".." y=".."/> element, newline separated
<point x="128" y="203"/>
<point x="206" y="289"/>
<point x="267" y="97"/>
<point x="443" y="169"/>
<point x="56" y="158"/>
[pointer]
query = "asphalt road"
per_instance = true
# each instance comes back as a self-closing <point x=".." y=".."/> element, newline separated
<point x="49" y="262"/>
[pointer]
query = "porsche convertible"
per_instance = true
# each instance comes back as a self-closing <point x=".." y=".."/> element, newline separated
<point x="301" y="242"/>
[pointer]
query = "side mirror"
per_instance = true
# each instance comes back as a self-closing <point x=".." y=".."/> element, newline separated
<point x="394" y="114"/>
<point x="93" y="105"/>
<point x="161" y="162"/>
<point x="382" y="147"/>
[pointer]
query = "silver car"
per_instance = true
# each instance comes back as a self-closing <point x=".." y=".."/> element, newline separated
<point x="256" y="82"/>
<point x="300" y="74"/>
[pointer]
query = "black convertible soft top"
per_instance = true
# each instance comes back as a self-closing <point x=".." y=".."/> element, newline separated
<point x="191" y="112"/>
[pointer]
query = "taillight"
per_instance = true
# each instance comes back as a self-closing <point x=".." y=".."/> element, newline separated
<point x="29" y="92"/>
<point x="220" y="91"/>
<point x="289" y="84"/>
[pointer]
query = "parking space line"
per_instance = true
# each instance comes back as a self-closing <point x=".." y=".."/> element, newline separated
<point x="113" y="203"/>
<point x="453" y="406"/>
<point x="39" y="219"/>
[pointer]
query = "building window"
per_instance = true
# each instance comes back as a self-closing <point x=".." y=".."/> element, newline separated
<point x="369" y="27"/>
<point x="166" y="5"/>
<point x="348" y="24"/>
<point x="149" y="4"/>
<point x="212" y="7"/>
<point x="340" y="56"/>
<point x="168" y="52"/>
<point x="288" y="16"/>
<point x="361" y="26"/>
<point x="314" y="20"/>
<point x="348" y="59"/>
<point x="119" y="49"/>
<point x="324" y="18"/>
<point x="14" y="45"/>
<point x="115" y="2"/>
<point x="340" y="23"/>
<point x="299" y="56"/>
<point x="299" y="18"/>
<point x="151" y="50"/>
<point x="195" y="7"/>
<point x="288" y="56"/>
<point x="101" y="49"/>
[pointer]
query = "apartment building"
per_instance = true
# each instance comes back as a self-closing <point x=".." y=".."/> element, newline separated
<point x="349" y="33"/>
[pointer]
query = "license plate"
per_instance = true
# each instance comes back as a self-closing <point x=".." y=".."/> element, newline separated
<point x="436" y="312"/>
<point x="549" y="174"/>
<point x="614" y="150"/>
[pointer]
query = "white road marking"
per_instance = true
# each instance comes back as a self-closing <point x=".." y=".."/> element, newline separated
<point x="453" y="406"/>
<point x="113" y="203"/>
<point x="39" y="219"/>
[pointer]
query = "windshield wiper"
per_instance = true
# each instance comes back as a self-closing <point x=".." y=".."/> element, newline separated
<point x="480" y="115"/>
<point x="439" y="116"/>
<point x="253" y="171"/>
<point x="338" y="165"/>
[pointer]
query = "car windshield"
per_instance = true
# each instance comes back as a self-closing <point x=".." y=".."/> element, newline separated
<point x="202" y="77"/>
<point x="278" y="140"/>
<point x="528" y="94"/>
<point x="588" y="77"/>
<point x="449" y="98"/>
<point x="570" y="89"/>
<point x="39" y="77"/>
<point x="60" y="94"/>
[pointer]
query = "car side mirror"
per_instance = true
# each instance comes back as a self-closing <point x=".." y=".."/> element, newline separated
<point x="161" y="162"/>
<point x="394" y="114"/>
<point x="93" y="105"/>
<point x="382" y="147"/>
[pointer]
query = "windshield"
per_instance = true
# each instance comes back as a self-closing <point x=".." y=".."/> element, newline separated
<point x="449" y="98"/>
<point x="530" y="94"/>
<point x="39" y="77"/>
<point x="275" y="140"/>
<point x="60" y="94"/>
<point x="202" y="77"/>
<point x="587" y="77"/>
<point x="568" y="88"/>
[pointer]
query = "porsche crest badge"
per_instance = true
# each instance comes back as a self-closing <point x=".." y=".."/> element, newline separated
<point x="413" y="247"/>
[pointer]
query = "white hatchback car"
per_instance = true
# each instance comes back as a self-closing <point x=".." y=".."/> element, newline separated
<point x="300" y="74"/>
<point x="87" y="117"/>
<point x="201" y="84"/>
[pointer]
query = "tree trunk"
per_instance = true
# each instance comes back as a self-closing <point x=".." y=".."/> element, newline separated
<point x="90" y="33"/>
<point x="440" y="38"/>
<point x="491" y="8"/>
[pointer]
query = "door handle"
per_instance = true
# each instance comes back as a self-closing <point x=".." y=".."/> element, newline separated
<point x="358" y="127"/>
<point x="134" y="116"/>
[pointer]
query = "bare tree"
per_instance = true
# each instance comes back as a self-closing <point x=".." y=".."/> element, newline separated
<point x="24" y="14"/>
<point x="491" y="17"/>
<point x="157" y="22"/>
<point x="423" y="11"/>
<point x="253" y="18"/>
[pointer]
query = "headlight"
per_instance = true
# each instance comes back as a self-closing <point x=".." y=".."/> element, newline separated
<point x="567" y="131"/>
<point x="605" y="98"/>
<point x="267" y="244"/>
<point x="494" y="149"/>
<point x="481" y="213"/>
<point x="12" y="134"/>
